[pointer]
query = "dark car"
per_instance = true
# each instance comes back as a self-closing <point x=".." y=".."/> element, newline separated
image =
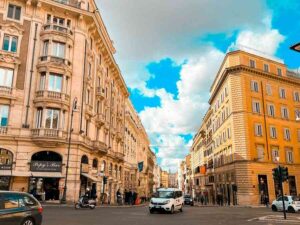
<point x="188" y="200"/>
<point x="18" y="208"/>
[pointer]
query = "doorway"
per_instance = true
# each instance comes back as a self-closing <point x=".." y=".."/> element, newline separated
<point x="263" y="187"/>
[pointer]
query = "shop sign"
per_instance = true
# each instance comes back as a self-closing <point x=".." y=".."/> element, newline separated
<point x="46" y="166"/>
<point x="84" y="168"/>
<point x="5" y="167"/>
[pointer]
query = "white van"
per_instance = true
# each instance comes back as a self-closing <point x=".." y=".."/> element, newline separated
<point x="167" y="199"/>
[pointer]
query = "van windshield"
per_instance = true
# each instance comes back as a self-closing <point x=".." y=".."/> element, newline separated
<point x="165" y="194"/>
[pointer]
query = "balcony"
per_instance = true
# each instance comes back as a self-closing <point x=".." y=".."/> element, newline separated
<point x="6" y="92"/>
<point x="100" y="92"/>
<point x="73" y="3"/>
<point x="54" y="62"/>
<point x="100" y="119"/>
<point x="50" y="27"/>
<point x="119" y="156"/>
<point x="100" y="147"/>
<point x="3" y="130"/>
<point x="48" y="137"/>
<point x="52" y="96"/>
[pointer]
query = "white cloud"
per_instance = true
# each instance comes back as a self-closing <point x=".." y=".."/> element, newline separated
<point x="175" y="117"/>
<point x="149" y="30"/>
<point x="262" y="40"/>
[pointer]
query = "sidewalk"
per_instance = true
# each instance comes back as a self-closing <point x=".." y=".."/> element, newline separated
<point x="198" y="204"/>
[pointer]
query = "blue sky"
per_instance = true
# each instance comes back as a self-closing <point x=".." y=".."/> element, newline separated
<point x="169" y="52"/>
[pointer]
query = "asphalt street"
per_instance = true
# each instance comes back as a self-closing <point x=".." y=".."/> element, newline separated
<point x="140" y="216"/>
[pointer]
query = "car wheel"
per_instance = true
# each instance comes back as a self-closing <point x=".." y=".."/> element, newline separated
<point x="27" y="221"/>
<point x="77" y="206"/>
<point x="274" y="208"/>
<point x="181" y="209"/>
<point x="291" y="209"/>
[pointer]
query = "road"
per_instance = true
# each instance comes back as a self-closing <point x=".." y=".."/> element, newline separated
<point x="140" y="216"/>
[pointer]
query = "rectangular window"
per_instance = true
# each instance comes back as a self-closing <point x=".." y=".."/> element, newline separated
<point x="282" y="93"/>
<point x="58" y="49"/>
<point x="39" y="117"/>
<point x="271" y="110"/>
<point x="284" y="112"/>
<point x="266" y="67"/>
<point x="42" y="81"/>
<point x="4" y="110"/>
<point x="255" y="107"/>
<point x="275" y="153"/>
<point x="296" y="96"/>
<point x="45" y="48"/>
<point x="52" y="118"/>
<point x="258" y="130"/>
<point x="58" y="21"/>
<point x="279" y="71"/>
<point x="14" y="12"/>
<point x="289" y="155"/>
<point x="254" y="86"/>
<point x="6" y="77"/>
<point x="297" y="115"/>
<point x="228" y="133"/>
<point x="10" y="43"/>
<point x="252" y="63"/>
<point x="273" y="132"/>
<point x="269" y="89"/>
<point x="260" y="152"/>
<point x="55" y="83"/>
<point x="286" y="134"/>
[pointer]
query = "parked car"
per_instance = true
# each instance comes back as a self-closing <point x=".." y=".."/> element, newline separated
<point x="188" y="200"/>
<point x="167" y="199"/>
<point x="292" y="204"/>
<point x="18" y="208"/>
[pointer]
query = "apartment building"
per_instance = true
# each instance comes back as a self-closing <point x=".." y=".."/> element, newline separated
<point x="164" y="179"/>
<point x="56" y="58"/>
<point x="253" y="121"/>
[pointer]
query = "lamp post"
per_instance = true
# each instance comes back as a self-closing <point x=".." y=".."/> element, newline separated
<point x="74" y="107"/>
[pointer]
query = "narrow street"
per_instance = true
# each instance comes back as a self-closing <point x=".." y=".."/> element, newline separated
<point x="140" y="216"/>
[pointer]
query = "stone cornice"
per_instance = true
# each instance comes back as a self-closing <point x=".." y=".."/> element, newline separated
<point x="242" y="68"/>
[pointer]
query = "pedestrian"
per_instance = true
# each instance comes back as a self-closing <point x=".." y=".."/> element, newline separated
<point x="119" y="197"/>
<point x="201" y="199"/>
<point x="134" y="196"/>
<point x="130" y="197"/>
<point x="125" y="196"/>
<point x="266" y="200"/>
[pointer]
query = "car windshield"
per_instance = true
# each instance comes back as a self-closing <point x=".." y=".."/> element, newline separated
<point x="187" y="196"/>
<point x="165" y="194"/>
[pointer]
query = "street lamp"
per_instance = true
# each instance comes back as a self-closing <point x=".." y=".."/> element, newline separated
<point x="296" y="47"/>
<point x="74" y="107"/>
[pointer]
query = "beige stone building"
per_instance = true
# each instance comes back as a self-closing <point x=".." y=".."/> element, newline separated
<point x="53" y="52"/>
<point x="164" y="179"/>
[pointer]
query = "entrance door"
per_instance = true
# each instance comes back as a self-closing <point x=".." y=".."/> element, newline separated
<point x="263" y="187"/>
<point x="51" y="188"/>
<point x="292" y="186"/>
<point x="228" y="194"/>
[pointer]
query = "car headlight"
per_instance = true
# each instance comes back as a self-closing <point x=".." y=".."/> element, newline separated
<point x="166" y="202"/>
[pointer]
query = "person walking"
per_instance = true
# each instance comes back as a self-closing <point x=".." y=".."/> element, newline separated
<point x="119" y="197"/>
<point x="266" y="201"/>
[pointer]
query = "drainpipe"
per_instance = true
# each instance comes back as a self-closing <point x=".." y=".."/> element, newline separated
<point x="26" y="125"/>
<point x="83" y="89"/>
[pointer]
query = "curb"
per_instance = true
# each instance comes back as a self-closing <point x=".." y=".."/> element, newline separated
<point x="231" y="206"/>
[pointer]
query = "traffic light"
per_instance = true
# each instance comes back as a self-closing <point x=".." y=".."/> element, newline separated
<point x="104" y="180"/>
<point x="276" y="174"/>
<point x="284" y="173"/>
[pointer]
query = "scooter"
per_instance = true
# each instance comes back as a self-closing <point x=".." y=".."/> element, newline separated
<point x="84" y="203"/>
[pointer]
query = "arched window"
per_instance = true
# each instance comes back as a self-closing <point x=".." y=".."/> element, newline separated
<point x="46" y="156"/>
<point x="6" y="157"/>
<point x="103" y="166"/>
<point x="95" y="163"/>
<point x="110" y="169"/>
<point x="116" y="171"/>
<point x="84" y="159"/>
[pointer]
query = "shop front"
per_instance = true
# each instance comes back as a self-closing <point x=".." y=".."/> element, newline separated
<point x="6" y="159"/>
<point x="45" y="181"/>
